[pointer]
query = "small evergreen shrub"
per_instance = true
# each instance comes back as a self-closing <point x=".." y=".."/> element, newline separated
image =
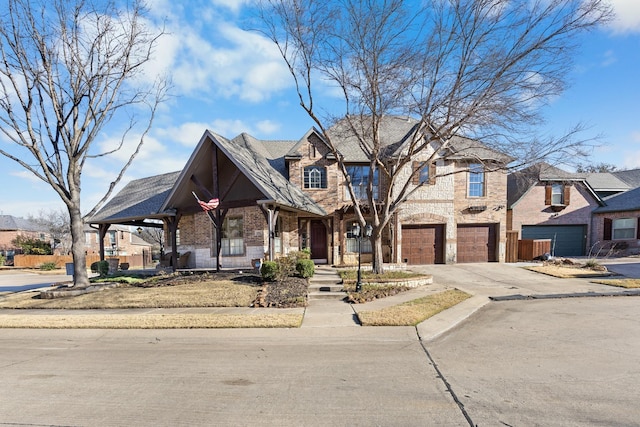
<point x="48" y="266"/>
<point x="100" y="267"/>
<point x="305" y="268"/>
<point x="2" y="260"/>
<point x="269" y="270"/>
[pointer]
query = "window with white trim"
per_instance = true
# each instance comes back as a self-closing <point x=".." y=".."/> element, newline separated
<point x="315" y="177"/>
<point x="476" y="180"/>
<point x="351" y="243"/>
<point x="359" y="176"/>
<point x="232" y="236"/>
<point x="557" y="194"/>
<point x="624" y="228"/>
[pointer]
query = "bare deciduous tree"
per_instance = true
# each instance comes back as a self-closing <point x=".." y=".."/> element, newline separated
<point x="56" y="222"/>
<point x="68" y="69"/>
<point x="478" y="68"/>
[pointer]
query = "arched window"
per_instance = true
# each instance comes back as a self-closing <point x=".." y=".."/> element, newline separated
<point x="315" y="177"/>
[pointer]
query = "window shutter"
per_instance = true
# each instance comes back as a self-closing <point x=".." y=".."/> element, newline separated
<point x="567" y="194"/>
<point x="608" y="225"/>
<point x="638" y="229"/>
<point x="416" y="173"/>
<point x="547" y="195"/>
<point x="432" y="173"/>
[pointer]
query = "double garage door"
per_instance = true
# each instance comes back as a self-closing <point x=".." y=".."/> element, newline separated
<point x="566" y="240"/>
<point x="424" y="244"/>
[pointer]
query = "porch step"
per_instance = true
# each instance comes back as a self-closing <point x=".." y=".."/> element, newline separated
<point x="326" y="284"/>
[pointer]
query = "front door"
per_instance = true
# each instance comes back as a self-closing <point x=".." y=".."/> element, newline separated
<point x="318" y="234"/>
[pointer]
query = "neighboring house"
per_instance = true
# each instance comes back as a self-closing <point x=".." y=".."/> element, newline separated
<point x="282" y="196"/>
<point x="12" y="227"/>
<point x="119" y="240"/>
<point x="606" y="184"/>
<point x="617" y="224"/>
<point x="548" y="203"/>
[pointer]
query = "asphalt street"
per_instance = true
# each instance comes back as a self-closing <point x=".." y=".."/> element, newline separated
<point x="529" y="362"/>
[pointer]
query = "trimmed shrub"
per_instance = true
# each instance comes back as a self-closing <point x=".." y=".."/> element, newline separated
<point x="305" y="268"/>
<point x="269" y="270"/>
<point x="100" y="267"/>
<point x="48" y="266"/>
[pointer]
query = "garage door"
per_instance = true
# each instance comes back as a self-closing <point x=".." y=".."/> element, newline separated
<point x="476" y="243"/>
<point x="423" y="244"/>
<point x="570" y="240"/>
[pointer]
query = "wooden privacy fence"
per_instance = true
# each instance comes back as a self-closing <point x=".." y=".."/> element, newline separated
<point x="526" y="249"/>
<point x="35" y="261"/>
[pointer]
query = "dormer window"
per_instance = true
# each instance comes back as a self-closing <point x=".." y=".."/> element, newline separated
<point x="315" y="177"/>
<point x="557" y="195"/>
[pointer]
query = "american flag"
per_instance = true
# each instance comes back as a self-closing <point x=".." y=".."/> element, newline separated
<point x="210" y="205"/>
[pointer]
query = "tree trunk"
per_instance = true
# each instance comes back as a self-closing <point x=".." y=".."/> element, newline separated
<point x="78" y="252"/>
<point x="378" y="264"/>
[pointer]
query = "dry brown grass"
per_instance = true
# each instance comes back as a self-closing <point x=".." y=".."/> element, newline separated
<point x="413" y="312"/>
<point x="621" y="283"/>
<point x="151" y="321"/>
<point x="223" y="293"/>
<point x="568" y="272"/>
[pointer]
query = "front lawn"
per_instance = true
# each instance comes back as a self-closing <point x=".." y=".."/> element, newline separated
<point x="413" y="312"/>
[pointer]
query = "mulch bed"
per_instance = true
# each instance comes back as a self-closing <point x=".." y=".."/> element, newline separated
<point x="288" y="293"/>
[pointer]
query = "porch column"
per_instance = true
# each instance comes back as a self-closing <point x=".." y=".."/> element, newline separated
<point x="102" y="232"/>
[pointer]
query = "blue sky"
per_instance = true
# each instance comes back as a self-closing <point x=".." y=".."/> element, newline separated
<point x="230" y="81"/>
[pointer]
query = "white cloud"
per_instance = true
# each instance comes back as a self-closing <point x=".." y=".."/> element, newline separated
<point x="627" y="17"/>
<point x="218" y="59"/>
<point x="267" y="127"/>
<point x="232" y="5"/>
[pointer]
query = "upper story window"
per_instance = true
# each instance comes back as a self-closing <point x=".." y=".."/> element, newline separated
<point x="557" y="194"/>
<point x="359" y="179"/>
<point x="315" y="177"/>
<point x="426" y="174"/>
<point x="624" y="228"/>
<point x="476" y="180"/>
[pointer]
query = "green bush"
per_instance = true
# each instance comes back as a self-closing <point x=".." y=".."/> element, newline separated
<point x="2" y="260"/>
<point x="100" y="267"/>
<point x="48" y="266"/>
<point x="269" y="270"/>
<point x="305" y="268"/>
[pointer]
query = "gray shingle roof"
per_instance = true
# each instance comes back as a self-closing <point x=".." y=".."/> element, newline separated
<point x="12" y="223"/>
<point x="627" y="201"/>
<point x="250" y="156"/>
<point x="272" y="183"/>
<point x="139" y="199"/>
<point x="630" y="177"/>
<point x="605" y="181"/>
<point x="519" y="182"/>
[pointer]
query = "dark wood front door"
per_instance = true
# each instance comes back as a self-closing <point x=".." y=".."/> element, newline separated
<point x="318" y="240"/>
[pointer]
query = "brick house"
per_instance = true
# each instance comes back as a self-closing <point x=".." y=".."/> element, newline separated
<point x="548" y="203"/>
<point x="12" y="227"/>
<point x="617" y="224"/>
<point x="120" y="240"/>
<point x="281" y="196"/>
